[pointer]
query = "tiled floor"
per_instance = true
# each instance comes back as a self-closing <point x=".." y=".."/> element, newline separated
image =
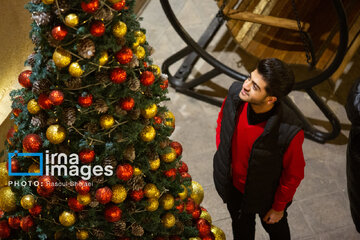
<point x="320" y="209"/>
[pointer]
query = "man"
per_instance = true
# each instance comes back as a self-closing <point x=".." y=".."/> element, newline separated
<point x="259" y="162"/>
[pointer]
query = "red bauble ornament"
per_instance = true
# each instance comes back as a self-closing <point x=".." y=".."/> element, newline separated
<point x="180" y="207"/>
<point x="42" y="192"/>
<point x="4" y="229"/>
<point x="118" y="75"/>
<point x="127" y="104"/>
<point x="82" y="187"/>
<point x="183" y="167"/>
<point x="185" y="176"/>
<point x="85" y="100"/>
<point x="15" y="166"/>
<point x="145" y="65"/>
<point x="46" y="185"/>
<point x="14" y="222"/>
<point x="90" y="6"/>
<point x="147" y="78"/>
<point x="10" y="135"/>
<point x="97" y="28"/>
<point x="35" y="211"/>
<point x="196" y="213"/>
<point x="177" y="147"/>
<point x="87" y="156"/>
<point x="44" y="101"/>
<point x="113" y="213"/>
<point x="124" y="56"/>
<point x="32" y="143"/>
<point x="16" y="111"/>
<point x="124" y="172"/>
<point x="26" y="223"/>
<point x="137" y="195"/>
<point x="157" y="120"/>
<point x="119" y="5"/>
<point x="190" y="206"/>
<point x="59" y="32"/>
<point x="171" y="173"/>
<point x="103" y="195"/>
<point x="74" y="205"/>
<point x="164" y="84"/>
<point x="56" y="97"/>
<point x="24" y="79"/>
<point x="203" y="227"/>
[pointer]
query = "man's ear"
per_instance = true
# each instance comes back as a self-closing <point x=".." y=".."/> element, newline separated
<point x="271" y="99"/>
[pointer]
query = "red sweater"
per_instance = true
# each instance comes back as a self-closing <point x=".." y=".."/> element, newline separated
<point x="243" y="138"/>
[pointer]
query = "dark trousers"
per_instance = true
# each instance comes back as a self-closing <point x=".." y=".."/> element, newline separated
<point x="243" y="223"/>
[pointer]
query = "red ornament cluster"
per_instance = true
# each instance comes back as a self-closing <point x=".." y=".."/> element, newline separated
<point x="118" y="75"/>
<point x="74" y="205"/>
<point x="124" y="56"/>
<point x="113" y="213"/>
<point x="103" y="195"/>
<point x="127" y="104"/>
<point x="59" y="32"/>
<point x="32" y="143"/>
<point x="124" y="172"/>
<point x="147" y="78"/>
<point x="119" y="5"/>
<point x="46" y="186"/>
<point x="87" y="156"/>
<point x="137" y="195"/>
<point x="97" y="28"/>
<point x="24" y="79"/>
<point x="85" y="100"/>
<point x="44" y="101"/>
<point x="56" y="97"/>
<point x="90" y="6"/>
<point x="82" y="187"/>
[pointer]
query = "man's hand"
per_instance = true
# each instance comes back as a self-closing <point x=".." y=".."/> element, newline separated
<point x="273" y="216"/>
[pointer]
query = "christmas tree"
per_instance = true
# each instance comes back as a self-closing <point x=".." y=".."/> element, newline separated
<point x="90" y="154"/>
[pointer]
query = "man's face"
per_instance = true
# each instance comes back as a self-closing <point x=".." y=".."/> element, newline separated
<point x="253" y="90"/>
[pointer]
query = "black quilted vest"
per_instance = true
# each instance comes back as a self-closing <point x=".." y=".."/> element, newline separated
<point x="265" y="162"/>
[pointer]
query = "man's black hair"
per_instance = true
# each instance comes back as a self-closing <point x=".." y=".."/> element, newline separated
<point x="279" y="77"/>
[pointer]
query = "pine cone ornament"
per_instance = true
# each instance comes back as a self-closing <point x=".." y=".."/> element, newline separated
<point x="91" y="127"/>
<point x="178" y="229"/>
<point x="119" y="228"/>
<point x="98" y="233"/>
<point x="110" y="160"/>
<point x="83" y="215"/>
<point x="146" y="121"/>
<point x="131" y="207"/>
<point x="134" y="62"/>
<point x="98" y="179"/>
<point x="163" y="144"/>
<point x="73" y="83"/>
<point x="148" y="93"/>
<point x="129" y="153"/>
<point x="36" y="1"/>
<point x="94" y="203"/>
<point x="119" y="137"/>
<point x="121" y="41"/>
<point x="35" y="39"/>
<point x="31" y="60"/>
<point x="70" y="116"/>
<point x="64" y="6"/>
<point x="135" y="114"/>
<point x="52" y="121"/>
<point x="136" y="183"/>
<point x="39" y="120"/>
<point x="134" y="84"/>
<point x="104" y="14"/>
<point x="102" y="77"/>
<point x="41" y="86"/>
<point x="86" y="48"/>
<point x="41" y="18"/>
<point x="101" y="106"/>
<point x="50" y="66"/>
<point x="137" y="230"/>
<point x="149" y="49"/>
<point x="120" y="111"/>
<point x="52" y="41"/>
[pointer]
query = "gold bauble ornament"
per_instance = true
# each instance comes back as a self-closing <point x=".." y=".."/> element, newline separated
<point x="62" y="58"/>
<point x="167" y="201"/>
<point x="7" y="199"/>
<point x="155" y="69"/>
<point x="206" y="215"/>
<point x="119" y="193"/>
<point x="33" y="107"/>
<point x="136" y="43"/>
<point x="169" y="119"/>
<point x="4" y="175"/>
<point x="148" y="134"/>
<point x="27" y="201"/>
<point x="107" y="121"/>
<point x="34" y="168"/>
<point x="75" y="69"/>
<point x="154" y="164"/>
<point x="150" y="111"/>
<point x="56" y="134"/>
<point x="150" y="190"/>
<point x="67" y="218"/>
<point x="137" y="171"/>
<point x="184" y="193"/>
<point x="195" y="238"/>
<point x="140" y="52"/>
<point x="104" y="58"/>
<point x="157" y="194"/>
<point x="119" y="29"/>
<point x="48" y="1"/>
<point x="140" y="36"/>
<point x="84" y="199"/>
<point x="152" y="204"/>
<point x="218" y="233"/>
<point x="197" y="193"/>
<point x="168" y="220"/>
<point x="169" y="157"/>
<point x="82" y="235"/>
<point x="71" y="20"/>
